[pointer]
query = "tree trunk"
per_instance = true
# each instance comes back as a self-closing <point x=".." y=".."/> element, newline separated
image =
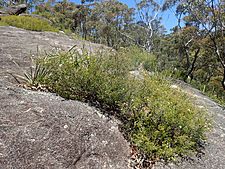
<point x="223" y="80"/>
<point x="192" y="66"/>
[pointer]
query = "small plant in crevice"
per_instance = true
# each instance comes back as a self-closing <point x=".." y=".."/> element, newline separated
<point x="32" y="77"/>
<point x="35" y="75"/>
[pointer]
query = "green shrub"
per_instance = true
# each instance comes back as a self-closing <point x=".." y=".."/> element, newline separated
<point x="27" y="22"/>
<point x="160" y="121"/>
<point x="164" y="122"/>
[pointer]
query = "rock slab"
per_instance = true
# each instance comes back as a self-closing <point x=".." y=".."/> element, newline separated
<point x="14" y="10"/>
<point x="40" y="130"/>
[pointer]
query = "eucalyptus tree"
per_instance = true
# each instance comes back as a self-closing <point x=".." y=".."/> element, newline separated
<point x="148" y="13"/>
<point x="109" y="21"/>
<point x="59" y="13"/>
<point x="208" y="16"/>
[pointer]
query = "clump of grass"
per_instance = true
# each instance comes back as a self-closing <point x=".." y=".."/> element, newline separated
<point x="161" y="122"/>
<point x="27" y="22"/>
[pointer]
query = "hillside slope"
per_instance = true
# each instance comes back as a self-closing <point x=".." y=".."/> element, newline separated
<point x="42" y="130"/>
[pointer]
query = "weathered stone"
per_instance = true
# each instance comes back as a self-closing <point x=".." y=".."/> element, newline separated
<point x="18" y="46"/>
<point x="14" y="10"/>
<point x="42" y="130"/>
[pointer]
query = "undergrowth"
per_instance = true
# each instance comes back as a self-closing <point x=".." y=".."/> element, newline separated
<point x="3" y="24"/>
<point x="27" y="22"/>
<point x="160" y="121"/>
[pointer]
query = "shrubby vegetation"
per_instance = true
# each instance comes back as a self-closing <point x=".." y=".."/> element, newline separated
<point x="159" y="120"/>
<point x="27" y="22"/>
<point x="165" y="124"/>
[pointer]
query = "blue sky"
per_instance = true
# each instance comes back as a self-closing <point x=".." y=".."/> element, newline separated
<point x="168" y="18"/>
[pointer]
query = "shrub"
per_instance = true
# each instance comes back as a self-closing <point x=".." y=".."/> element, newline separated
<point x="160" y="121"/>
<point x="164" y="123"/>
<point x="27" y="22"/>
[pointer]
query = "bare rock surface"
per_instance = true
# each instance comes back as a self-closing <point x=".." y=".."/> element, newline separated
<point x="214" y="153"/>
<point x="14" y="10"/>
<point x="40" y="130"/>
<point x="18" y="46"/>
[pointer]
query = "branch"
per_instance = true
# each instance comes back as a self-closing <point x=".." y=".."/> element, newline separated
<point x="127" y="36"/>
<point x="186" y="44"/>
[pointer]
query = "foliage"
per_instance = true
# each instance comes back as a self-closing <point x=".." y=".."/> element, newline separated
<point x="165" y="124"/>
<point x="160" y="121"/>
<point x="204" y="73"/>
<point x="195" y="52"/>
<point x="140" y="59"/>
<point x="213" y="89"/>
<point x="107" y="22"/>
<point x="2" y="3"/>
<point x="86" y="78"/>
<point x="27" y="22"/>
<point x="37" y="73"/>
<point x="60" y="14"/>
<point x="157" y="119"/>
<point x="148" y="11"/>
